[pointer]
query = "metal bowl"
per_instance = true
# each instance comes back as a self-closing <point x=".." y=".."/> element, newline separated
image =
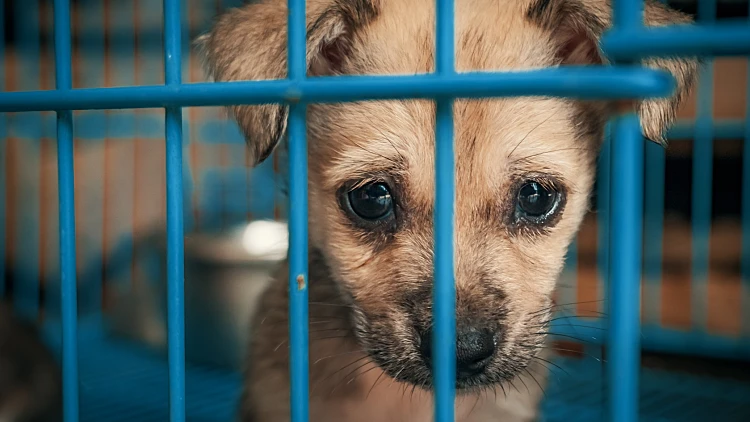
<point x="225" y="273"/>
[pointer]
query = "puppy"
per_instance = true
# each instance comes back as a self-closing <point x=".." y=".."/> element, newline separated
<point x="524" y="172"/>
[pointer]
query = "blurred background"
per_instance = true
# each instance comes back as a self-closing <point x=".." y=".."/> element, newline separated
<point x="693" y="256"/>
<point x="119" y="155"/>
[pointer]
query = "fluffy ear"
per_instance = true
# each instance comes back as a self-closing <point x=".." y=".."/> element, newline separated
<point x="250" y="43"/>
<point x="577" y="25"/>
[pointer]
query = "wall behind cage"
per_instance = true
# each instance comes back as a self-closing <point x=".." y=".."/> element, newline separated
<point x="120" y="170"/>
<point x="119" y="155"/>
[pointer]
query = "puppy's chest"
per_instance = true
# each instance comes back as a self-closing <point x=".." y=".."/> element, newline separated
<point x="384" y="400"/>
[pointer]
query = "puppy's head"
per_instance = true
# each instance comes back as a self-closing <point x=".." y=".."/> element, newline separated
<point x="524" y="166"/>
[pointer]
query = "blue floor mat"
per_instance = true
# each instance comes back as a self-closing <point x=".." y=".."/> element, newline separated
<point x="579" y="394"/>
<point x="120" y="382"/>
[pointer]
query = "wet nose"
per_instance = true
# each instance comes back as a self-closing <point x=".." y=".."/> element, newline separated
<point x="474" y="349"/>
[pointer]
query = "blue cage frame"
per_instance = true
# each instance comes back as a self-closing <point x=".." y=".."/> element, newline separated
<point x="625" y="43"/>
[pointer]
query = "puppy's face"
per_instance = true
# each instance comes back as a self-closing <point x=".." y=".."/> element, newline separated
<point x="524" y="166"/>
<point x="523" y="172"/>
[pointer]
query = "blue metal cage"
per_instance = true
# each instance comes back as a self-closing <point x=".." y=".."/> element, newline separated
<point x="627" y="251"/>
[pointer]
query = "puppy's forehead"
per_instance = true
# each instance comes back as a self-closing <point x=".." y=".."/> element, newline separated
<point x="489" y="34"/>
<point x="493" y="137"/>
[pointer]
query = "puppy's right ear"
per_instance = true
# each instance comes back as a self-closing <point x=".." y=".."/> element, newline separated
<point x="250" y="43"/>
<point x="576" y="26"/>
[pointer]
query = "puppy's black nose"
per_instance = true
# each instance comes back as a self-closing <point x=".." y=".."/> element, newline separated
<point x="474" y="350"/>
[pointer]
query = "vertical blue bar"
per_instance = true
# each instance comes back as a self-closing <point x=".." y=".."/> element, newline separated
<point x="298" y="280"/>
<point x="627" y="216"/>
<point x="627" y="14"/>
<point x="626" y="246"/>
<point x="175" y="252"/>
<point x="653" y="229"/>
<point x="67" y="215"/>
<point x="444" y="294"/>
<point x="745" y="256"/>
<point x="702" y="180"/>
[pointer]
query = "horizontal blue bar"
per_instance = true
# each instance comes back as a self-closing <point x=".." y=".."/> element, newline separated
<point x="656" y="338"/>
<point x="678" y="40"/>
<point x="90" y="126"/>
<point x="580" y="82"/>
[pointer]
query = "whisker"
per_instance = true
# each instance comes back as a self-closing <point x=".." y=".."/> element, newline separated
<point x="552" y="363"/>
<point x="580" y="313"/>
<point x="337" y="355"/>
<point x="560" y="349"/>
<point x="546" y="324"/>
<point x="321" y="322"/>
<point x="362" y="373"/>
<point x="397" y="374"/>
<point x="510" y="381"/>
<point x="527" y="135"/>
<point x="349" y="374"/>
<point x="552" y="334"/>
<point x="544" y="393"/>
<point x="565" y="317"/>
<point x="336" y="305"/>
<point x="311" y="321"/>
<point x="338" y="370"/>
<point x="323" y="330"/>
<point x="387" y="137"/>
<point x="371" y="152"/>
<point x="548" y="152"/>
<point x="329" y="338"/>
<point x="476" y="402"/>
<point x="557" y="305"/>
<point x="311" y="340"/>
<point x="411" y="396"/>
<point x="374" y="384"/>
<point x="524" y="384"/>
<point x="505" y="393"/>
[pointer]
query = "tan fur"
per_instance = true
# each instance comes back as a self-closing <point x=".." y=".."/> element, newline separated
<point x="368" y="289"/>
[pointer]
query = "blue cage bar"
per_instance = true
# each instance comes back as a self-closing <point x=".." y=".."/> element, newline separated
<point x="628" y="41"/>
<point x="175" y="214"/>
<point x="444" y="291"/>
<point x="627" y="207"/>
<point x="298" y="280"/>
<point x="63" y="69"/>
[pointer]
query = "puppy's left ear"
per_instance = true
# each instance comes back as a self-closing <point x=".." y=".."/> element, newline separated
<point x="576" y="26"/>
<point x="250" y="43"/>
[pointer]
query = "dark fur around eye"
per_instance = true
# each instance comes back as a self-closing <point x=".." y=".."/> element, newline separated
<point x="537" y="202"/>
<point x="369" y="204"/>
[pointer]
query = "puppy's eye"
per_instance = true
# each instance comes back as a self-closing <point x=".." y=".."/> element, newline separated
<point x="372" y="201"/>
<point x="536" y="202"/>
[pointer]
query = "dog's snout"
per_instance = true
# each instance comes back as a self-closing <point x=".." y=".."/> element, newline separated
<point x="474" y="349"/>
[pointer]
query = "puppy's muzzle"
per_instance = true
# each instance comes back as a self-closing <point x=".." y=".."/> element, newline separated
<point x="475" y="348"/>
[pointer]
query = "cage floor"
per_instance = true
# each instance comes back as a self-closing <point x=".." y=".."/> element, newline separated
<point x="120" y="381"/>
